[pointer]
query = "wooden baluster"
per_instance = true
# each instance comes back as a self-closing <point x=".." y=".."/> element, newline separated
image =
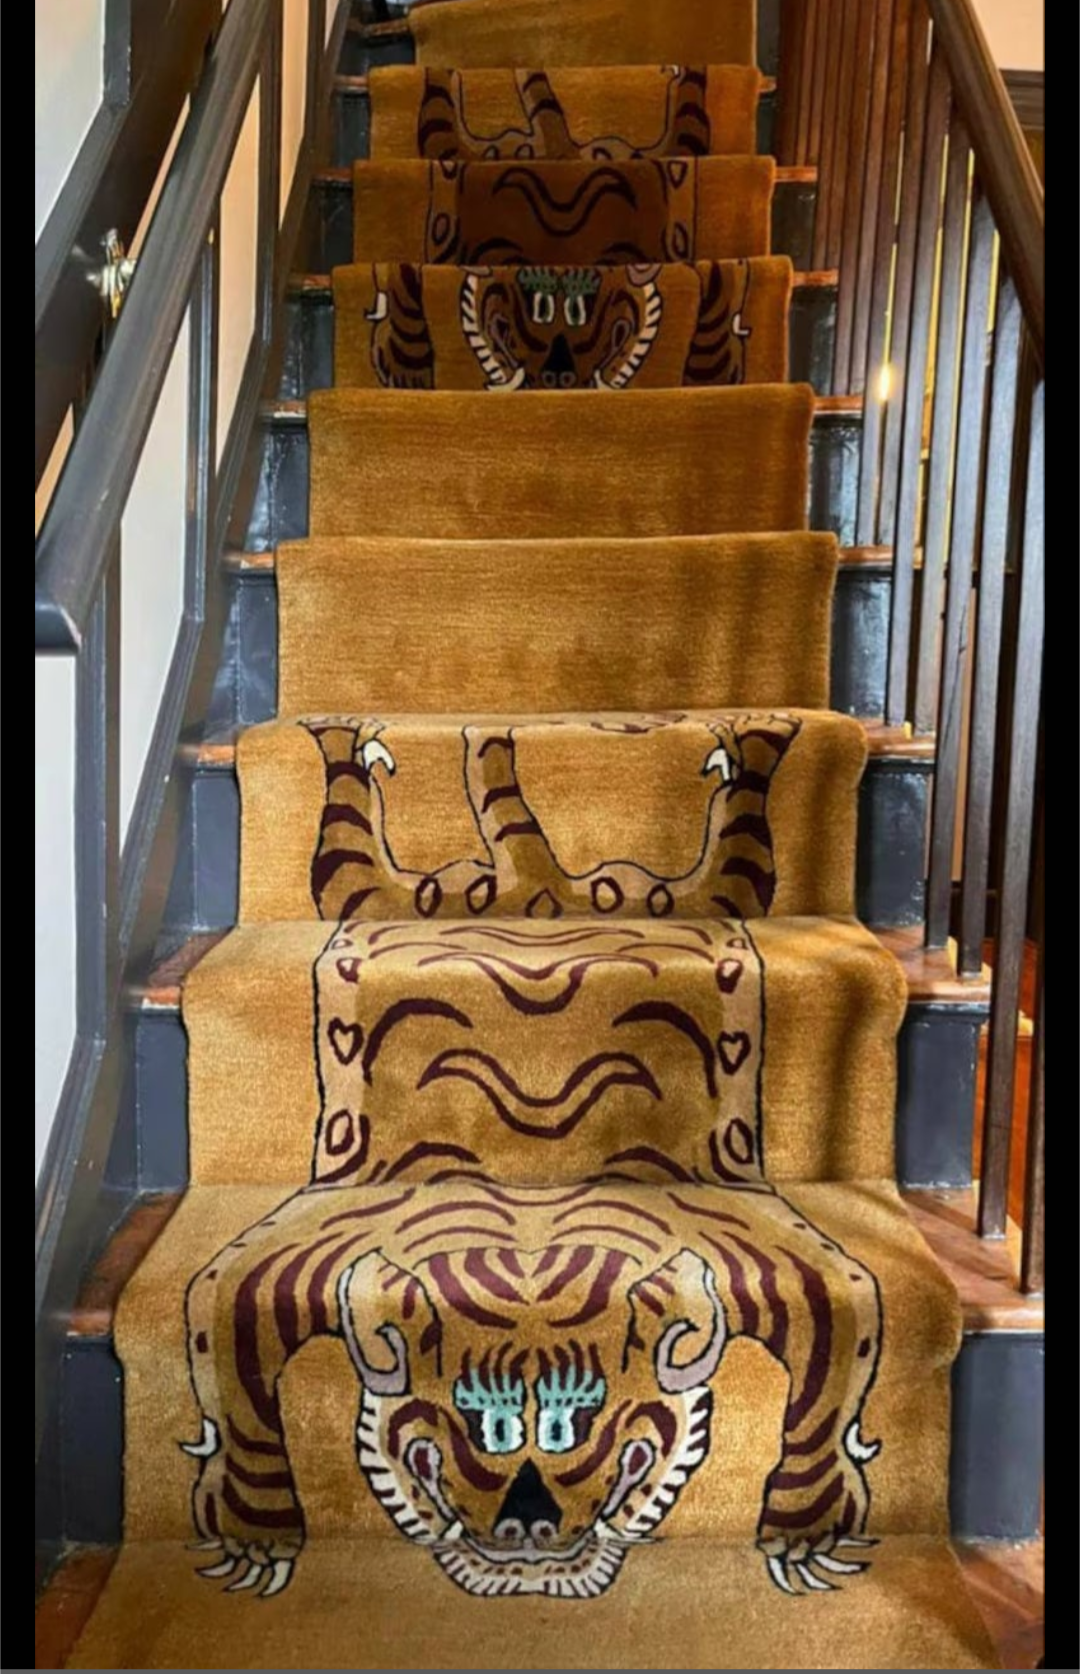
<point x="915" y="146"/>
<point x="939" y="472"/>
<point x="967" y="484"/>
<point x="991" y="594"/>
<point x="825" y="13"/>
<point x="832" y="103"/>
<point x="1016" y="846"/>
<point x="1032" y="1263"/>
<point x="862" y="190"/>
<point x="910" y="432"/>
<point x="790" y="78"/>
<point x="856" y="45"/>
<point x="871" y="329"/>
<point x="810" y="33"/>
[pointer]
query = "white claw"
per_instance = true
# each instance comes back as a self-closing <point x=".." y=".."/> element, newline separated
<point x="207" y="1446"/>
<point x="776" y="1570"/>
<point x="204" y="1546"/>
<point x="373" y="751"/>
<point x="453" y="1531"/>
<point x="381" y="308"/>
<point x="721" y="761"/>
<point x="857" y="1449"/>
<point x="218" y="1571"/>
<point x="251" y="1579"/>
<point x="837" y="1566"/>
<point x="814" y="1582"/>
<point x="279" y="1577"/>
<point x="856" y="1540"/>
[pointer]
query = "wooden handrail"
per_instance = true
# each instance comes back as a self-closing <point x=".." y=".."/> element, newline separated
<point x="1002" y="158"/>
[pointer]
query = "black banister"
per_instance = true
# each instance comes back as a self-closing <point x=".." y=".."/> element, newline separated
<point x="89" y="500"/>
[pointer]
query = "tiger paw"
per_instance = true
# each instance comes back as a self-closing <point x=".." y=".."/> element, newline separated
<point x="262" y="1567"/>
<point x="813" y="1566"/>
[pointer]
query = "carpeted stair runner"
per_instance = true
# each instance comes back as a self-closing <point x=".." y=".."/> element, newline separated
<point x="542" y="1296"/>
<point x="682" y="621"/>
<point x="473" y="33"/>
<point x="674" y="209"/>
<point x="502" y="329"/>
<point x="445" y="465"/>
<point x="598" y="115"/>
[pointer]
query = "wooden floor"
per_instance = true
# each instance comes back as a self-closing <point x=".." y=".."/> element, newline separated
<point x="1006" y="1583"/>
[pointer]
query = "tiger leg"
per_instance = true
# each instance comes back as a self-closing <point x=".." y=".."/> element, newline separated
<point x="528" y="878"/>
<point x="248" y="1312"/>
<point x="737" y="870"/>
<point x="817" y="1499"/>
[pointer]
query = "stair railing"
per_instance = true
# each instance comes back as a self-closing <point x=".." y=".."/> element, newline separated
<point x="257" y="121"/>
<point x="931" y="211"/>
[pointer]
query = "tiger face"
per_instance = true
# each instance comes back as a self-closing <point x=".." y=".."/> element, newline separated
<point x="530" y="1438"/>
<point x="561" y="328"/>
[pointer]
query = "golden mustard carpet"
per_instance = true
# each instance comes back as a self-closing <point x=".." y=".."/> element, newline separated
<point x="542" y="1296"/>
<point x="501" y="329"/>
<point x="661" y="209"/>
<point x="602" y="114"/>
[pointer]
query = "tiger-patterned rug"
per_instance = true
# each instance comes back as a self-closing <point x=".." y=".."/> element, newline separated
<point x="501" y="329"/>
<point x="450" y="465"/>
<point x="518" y="33"/>
<point x="542" y="1295"/>
<point x="597" y="115"/>
<point x="672" y="209"/>
<point x="687" y="622"/>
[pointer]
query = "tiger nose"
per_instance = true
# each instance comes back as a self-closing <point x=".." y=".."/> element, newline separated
<point x="528" y="1511"/>
<point x="558" y="370"/>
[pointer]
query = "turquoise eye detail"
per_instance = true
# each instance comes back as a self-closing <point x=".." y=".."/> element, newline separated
<point x="492" y="1409"/>
<point x="567" y="1401"/>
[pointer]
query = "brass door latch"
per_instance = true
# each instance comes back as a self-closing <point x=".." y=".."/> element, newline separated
<point x="113" y="279"/>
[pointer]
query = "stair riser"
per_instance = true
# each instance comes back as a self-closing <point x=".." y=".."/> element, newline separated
<point x="280" y="509"/>
<point x="352" y="125"/>
<point x="309" y="346"/>
<point x="860" y="643"/>
<point x="792" y="222"/>
<point x="995" y="1472"/>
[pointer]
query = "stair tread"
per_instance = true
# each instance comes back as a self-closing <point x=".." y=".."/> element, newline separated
<point x="786" y="175"/>
<point x="985" y="1273"/>
<point x="322" y="284"/>
<point x="851" y="558"/>
<point x="929" y="975"/>
<point x="293" y="410"/>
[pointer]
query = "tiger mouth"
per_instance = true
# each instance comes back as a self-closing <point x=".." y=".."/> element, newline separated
<point x="584" y="1568"/>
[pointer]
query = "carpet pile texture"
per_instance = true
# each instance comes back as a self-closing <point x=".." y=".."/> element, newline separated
<point x="542" y="1295"/>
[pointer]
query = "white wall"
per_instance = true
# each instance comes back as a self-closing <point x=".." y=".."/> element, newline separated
<point x="68" y="39"/>
<point x="1014" y="29"/>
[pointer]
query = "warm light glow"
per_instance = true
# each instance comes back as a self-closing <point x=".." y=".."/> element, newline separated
<point x="884" y="382"/>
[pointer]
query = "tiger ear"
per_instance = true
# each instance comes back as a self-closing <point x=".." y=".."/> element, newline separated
<point x="678" y="1301"/>
<point x="388" y="1323"/>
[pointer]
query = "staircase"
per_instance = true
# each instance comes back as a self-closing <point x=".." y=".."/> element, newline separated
<point x="547" y="1149"/>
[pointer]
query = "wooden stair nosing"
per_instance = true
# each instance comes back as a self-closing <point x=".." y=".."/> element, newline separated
<point x="290" y="412"/>
<point x="320" y="286"/>
<point x="357" y="87"/>
<point x="339" y="178"/>
<point x="852" y="558"/>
